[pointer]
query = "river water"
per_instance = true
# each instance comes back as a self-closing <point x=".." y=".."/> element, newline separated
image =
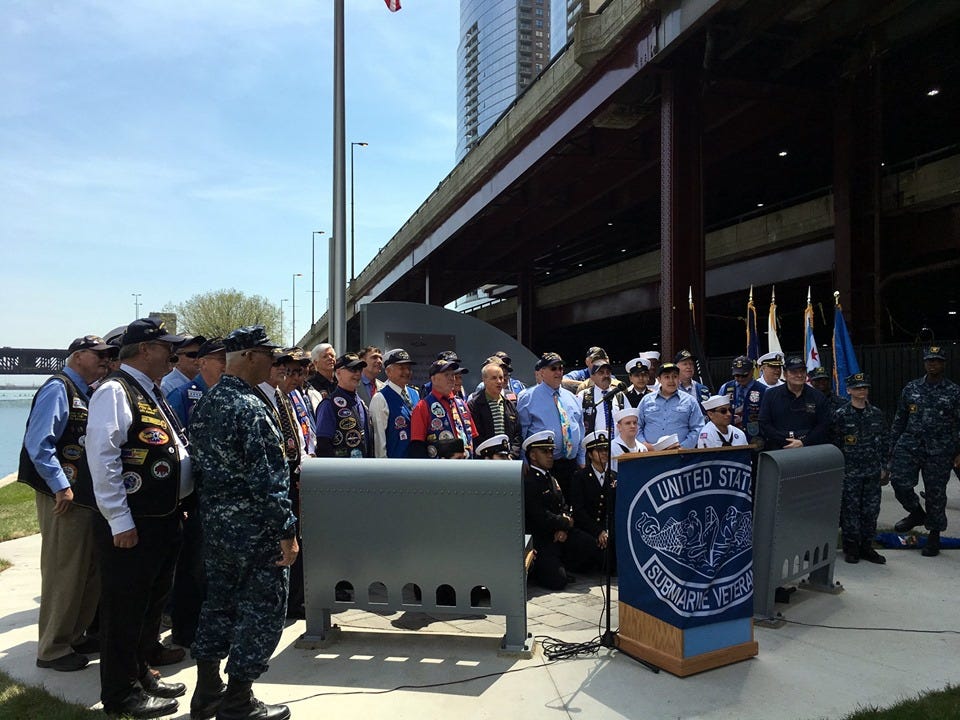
<point x="14" y="408"/>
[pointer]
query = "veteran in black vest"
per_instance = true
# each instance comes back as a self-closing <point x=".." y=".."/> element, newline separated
<point x="53" y="462"/>
<point x="140" y="472"/>
<point x="343" y="420"/>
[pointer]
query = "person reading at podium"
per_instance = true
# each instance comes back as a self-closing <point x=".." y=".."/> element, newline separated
<point x="718" y="432"/>
<point x="625" y="440"/>
<point x="669" y="412"/>
<point x="549" y="520"/>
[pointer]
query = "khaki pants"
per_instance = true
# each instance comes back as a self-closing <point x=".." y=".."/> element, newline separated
<point x="69" y="577"/>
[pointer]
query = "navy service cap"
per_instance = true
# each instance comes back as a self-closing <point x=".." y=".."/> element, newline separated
<point x="596" y="441"/>
<point x="497" y="445"/>
<point x="741" y="365"/>
<point x="819" y="373"/>
<point x="858" y="380"/>
<point x="442" y="366"/>
<point x="397" y="356"/>
<point x="89" y="342"/>
<point x="934" y="352"/>
<point x="248" y="337"/>
<point x="667" y="367"/>
<point x="148" y="330"/>
<point x="542" y="440"/>
<point x="794" y="362"/>
<point x="683" y="355"/>
<point x="350" y="361"/>
<point x="548" y="359"/>
<point x="210" y="347"/>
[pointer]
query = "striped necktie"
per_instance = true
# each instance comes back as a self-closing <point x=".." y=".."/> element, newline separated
<point x="565" y="429"/>
<point x="406" y="397"/>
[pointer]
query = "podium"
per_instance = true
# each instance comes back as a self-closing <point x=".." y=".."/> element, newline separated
<point x="684" y="528"/>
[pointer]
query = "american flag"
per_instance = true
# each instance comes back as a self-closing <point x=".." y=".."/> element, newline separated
<point x="392" y="5"/>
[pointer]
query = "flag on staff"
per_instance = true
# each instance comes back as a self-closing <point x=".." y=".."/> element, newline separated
<point x="392" y="5"/>
<point x="844" y="361"/>
<point x="773" y="340"/>
<point x="810" y="351"/>
<point x="753" y="342"/>
<point x="703" y="371"/>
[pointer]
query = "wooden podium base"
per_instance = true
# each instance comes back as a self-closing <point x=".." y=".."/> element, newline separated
<point x="651" y="639"/>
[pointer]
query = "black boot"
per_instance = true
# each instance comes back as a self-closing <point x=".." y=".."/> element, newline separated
<point x="932" y="548"/>
<point x="851" y="551"/>
<point x="916" y="517"/>
<point x="240" y="704"/>
<point x="869" y="554"/>
<point x="209" y="692"/>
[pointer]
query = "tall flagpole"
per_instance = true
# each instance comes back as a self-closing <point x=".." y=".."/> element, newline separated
<point x="337" y="316"/>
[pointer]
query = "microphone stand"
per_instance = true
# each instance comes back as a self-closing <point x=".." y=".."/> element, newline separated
<point x="609" y="637"/>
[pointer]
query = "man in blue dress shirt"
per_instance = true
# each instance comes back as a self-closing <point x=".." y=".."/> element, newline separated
<point x="668" y="412"/>
<point x="52" y="460"/>
<point x="549" y="406"/>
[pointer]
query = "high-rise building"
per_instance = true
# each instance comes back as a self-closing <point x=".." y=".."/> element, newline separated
<point x="504" y="44"/>
<point x="563" y="16"/>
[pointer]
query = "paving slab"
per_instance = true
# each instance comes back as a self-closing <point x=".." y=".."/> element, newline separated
<point x="449" y="667"/>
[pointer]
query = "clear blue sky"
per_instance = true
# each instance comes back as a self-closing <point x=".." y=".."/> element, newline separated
<point x="174" y="147"/>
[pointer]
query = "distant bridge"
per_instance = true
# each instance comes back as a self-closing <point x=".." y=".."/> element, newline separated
<point x="31" y="361"/>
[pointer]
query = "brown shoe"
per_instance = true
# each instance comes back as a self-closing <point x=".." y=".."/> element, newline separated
<point x="163" y="655"/>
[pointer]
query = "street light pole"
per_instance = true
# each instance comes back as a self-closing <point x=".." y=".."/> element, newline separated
<point x="282" y="301"/>
<point x="136" y="305"/>
<point x="293" y="313"/>
<point x="313" y="276"/>
<point x="352" y="268"/>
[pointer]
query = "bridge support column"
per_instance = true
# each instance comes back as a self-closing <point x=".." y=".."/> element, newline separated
<point x="858" y="146"/>
<point x="525" y="302"/>
<point x="682" y="257"/>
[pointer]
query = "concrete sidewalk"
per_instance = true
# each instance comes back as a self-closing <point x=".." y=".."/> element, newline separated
<point x="450" y="668"/>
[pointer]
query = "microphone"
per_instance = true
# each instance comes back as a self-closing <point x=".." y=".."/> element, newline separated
<point x="611" y="394"/>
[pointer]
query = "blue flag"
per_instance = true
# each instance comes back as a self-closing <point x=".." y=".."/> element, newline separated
<point x="844" y="360"/>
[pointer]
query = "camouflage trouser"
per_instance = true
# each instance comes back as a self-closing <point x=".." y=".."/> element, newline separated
<point x="859" y="508"/>
<point x="936" y="472"/>
<point x="243" y="612"/>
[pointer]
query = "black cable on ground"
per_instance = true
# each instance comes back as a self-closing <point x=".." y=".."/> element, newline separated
<point x="883" y="629"/>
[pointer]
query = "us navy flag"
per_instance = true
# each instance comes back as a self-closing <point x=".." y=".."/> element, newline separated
<point x="687" y="519"/>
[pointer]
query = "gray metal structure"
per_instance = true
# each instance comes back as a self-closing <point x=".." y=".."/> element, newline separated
<point x="796" y="520"/>
<point x="390" y="534"/>
<point x="423" y="330"/>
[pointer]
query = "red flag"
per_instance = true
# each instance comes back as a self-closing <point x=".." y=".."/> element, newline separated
<point x="392" y="5"/>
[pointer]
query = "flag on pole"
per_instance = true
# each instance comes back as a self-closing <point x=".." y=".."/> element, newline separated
<point x="703" y="370"/>
<point x="753" y="342"/>
<point x="392" y="5"/>
<point x="844" y="360"/>
<point x="810" y="351"/>
<point x="773" y="340"/>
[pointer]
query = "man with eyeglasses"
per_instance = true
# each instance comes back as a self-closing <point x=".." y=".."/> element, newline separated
<point x="185" y="365"/>
<point x="211" y="361"/>
<point x="550" y="406"/>
<point x="52" y="461"/>
<point x="745" y="395"/>
<point x="141" y="472"/>
<point x="718" y="432"/>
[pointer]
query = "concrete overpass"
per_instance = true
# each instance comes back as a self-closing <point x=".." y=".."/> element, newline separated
<point x="649" y="158"/>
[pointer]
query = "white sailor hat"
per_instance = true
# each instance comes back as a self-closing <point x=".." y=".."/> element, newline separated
<point x="620" y="414"/>
<point x="497" y="445"/>
<point x="635" y="363"/>
<point x="771" y="358"/>
<point x="542" y="439"/>
<point x="597" y="441"/>
<point x="650" y="355"/>
<point x="715" y="401"/>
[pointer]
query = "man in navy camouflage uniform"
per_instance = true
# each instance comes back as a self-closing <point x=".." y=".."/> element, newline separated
<point x="860" y="432"/>
<point x="249" y="532"/>
<point x="926" y="438"/>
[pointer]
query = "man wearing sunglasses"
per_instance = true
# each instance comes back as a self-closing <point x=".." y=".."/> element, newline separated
<point x="186" y="365"/>
<point x="718" y="432"/>
<point x="52" y="461"/>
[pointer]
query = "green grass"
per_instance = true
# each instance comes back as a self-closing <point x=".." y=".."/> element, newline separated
<point x="18" y="511"/>
<point x="4" y="564"/>
<point x="22" y="702"/>
<point x="938" y="705"/>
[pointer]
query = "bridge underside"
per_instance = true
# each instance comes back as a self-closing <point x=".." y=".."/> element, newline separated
<point x="662" y="168"/>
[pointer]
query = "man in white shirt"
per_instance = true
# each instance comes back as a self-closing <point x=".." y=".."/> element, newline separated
<point x="140" y="471"/>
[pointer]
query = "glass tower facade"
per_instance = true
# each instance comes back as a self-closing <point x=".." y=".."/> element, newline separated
<point x="504" y="44"/>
